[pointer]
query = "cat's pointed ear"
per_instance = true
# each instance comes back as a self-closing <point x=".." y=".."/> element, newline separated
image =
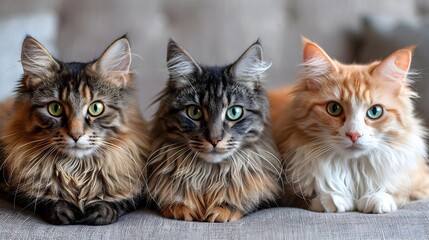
<point x="395" y="67"/>
<point x="180" y="65"/>
<point x="115" y="62"/>
<point x="37" y="63"/>
<point x="316" y="62"/>
<point x="250" y="66"/>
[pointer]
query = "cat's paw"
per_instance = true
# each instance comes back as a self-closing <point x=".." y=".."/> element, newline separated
<point x="377" y="203"/>
<point x="180" y="212"/>
<point x="61" y="213"/>
<point x="223" y="214"/>
<point x="332" y="202"/>
<point x="100" y="213"/>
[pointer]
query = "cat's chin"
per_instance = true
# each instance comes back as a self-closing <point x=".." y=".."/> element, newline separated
<point x="214" y="157"/>
<point x="79" y="153"/>
<point x="354" y="151"/>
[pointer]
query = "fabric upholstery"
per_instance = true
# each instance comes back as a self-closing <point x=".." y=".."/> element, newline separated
<point x="411" y="222"/>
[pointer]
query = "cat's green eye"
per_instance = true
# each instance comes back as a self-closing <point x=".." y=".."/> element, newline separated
<point x="334" y="109"/>
<point x="194" y="112"/>
<point x="55" y="109"/>
<point x="96" y="108"/>
<point x="234" y="113"/>
<point x="375" y="112"/>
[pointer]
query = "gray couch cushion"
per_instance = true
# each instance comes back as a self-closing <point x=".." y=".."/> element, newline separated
<point x="411" y="222"/>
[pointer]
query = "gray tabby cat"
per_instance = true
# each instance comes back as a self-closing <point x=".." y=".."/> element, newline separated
<point x="74" y="141"/>
<point x="213" y="158"/>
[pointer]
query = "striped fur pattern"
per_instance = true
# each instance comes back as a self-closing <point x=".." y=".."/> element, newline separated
<point x="75" y="168"/>
<point x="212" y="169"/>
<point x="345" y="160"/>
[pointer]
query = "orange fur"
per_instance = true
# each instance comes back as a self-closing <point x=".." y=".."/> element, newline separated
<point x="299" y="113"/>
<point x="278" y="100"/>
<point x="181" y="211"/>
<point x="6" y="110"/>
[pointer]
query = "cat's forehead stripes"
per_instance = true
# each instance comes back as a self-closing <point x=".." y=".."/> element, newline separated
<point x="65" y="93"/>
<point x="214" y="106"/>
<point x="85" y="91"/>
<point x="354" y="84"/>
<point x="216" y="82"/>
<point x="74" y="95"/>
<point x="212" y="87"/>
<point x="75" y="83"/>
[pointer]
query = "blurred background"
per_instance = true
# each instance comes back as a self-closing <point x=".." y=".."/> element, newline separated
<point x="215" y="32"/>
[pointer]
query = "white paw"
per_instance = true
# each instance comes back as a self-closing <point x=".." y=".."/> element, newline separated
<point x="377" y="203"/>
<point x="332" y="202"/>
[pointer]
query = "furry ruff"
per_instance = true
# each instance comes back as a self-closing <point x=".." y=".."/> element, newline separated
<point x="186" y="187"/>
<point x="41" y="174"/>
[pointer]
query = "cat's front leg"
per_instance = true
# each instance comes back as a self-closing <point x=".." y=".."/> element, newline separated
<point x="332" y="202"/>
<point x="181" y="212"/>
<point x="100" y="213"/>
<point x="380" y="202"/>
<point x="223" y="214"/>
<point x="59" y="213"/>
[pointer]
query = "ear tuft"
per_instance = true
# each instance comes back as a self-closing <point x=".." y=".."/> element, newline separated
<point x="315" y="60"/>
<point x="114" y="64"/>
<point x="37" y="63"/>
<point x="250" y="66"/>
<point x="180" y="65"/>
<point x="396" y="66"/>
<point x="394" y="69"/>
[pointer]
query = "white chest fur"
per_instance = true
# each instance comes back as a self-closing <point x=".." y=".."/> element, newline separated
<point x="368" y="183"/>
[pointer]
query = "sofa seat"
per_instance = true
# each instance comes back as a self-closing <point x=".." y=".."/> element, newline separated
<point x="410" y="222"/>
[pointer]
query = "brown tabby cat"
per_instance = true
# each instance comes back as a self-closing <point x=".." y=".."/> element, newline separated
<point x="213" y="158"/>
<point x="349" y="136"/>
<point x="74" y="141"/>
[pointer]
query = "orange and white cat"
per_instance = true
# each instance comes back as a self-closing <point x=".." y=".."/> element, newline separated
<point x="349" y="136"/>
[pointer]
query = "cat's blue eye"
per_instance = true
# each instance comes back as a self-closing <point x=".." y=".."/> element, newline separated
<point x="194" y="112"/>
<point x="55" y="109"/>
<point x="234" y="113"/>
<point x="334" y="109"/>
<point x="375" y="112"/>
<point x="96" y="108"/>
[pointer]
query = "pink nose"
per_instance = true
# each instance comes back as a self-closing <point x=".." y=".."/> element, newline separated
<point x="75" y="136"/>
<point x="214" y="142"/>
<point x="353" y="136"/>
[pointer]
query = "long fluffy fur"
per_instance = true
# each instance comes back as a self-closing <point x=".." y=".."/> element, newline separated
<point x="187" y="184"/>
<point x="318" y="172"/>
<point x="178" y="176"/>
<point x="41" y="174"/>
<point x="44" y="172"/>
